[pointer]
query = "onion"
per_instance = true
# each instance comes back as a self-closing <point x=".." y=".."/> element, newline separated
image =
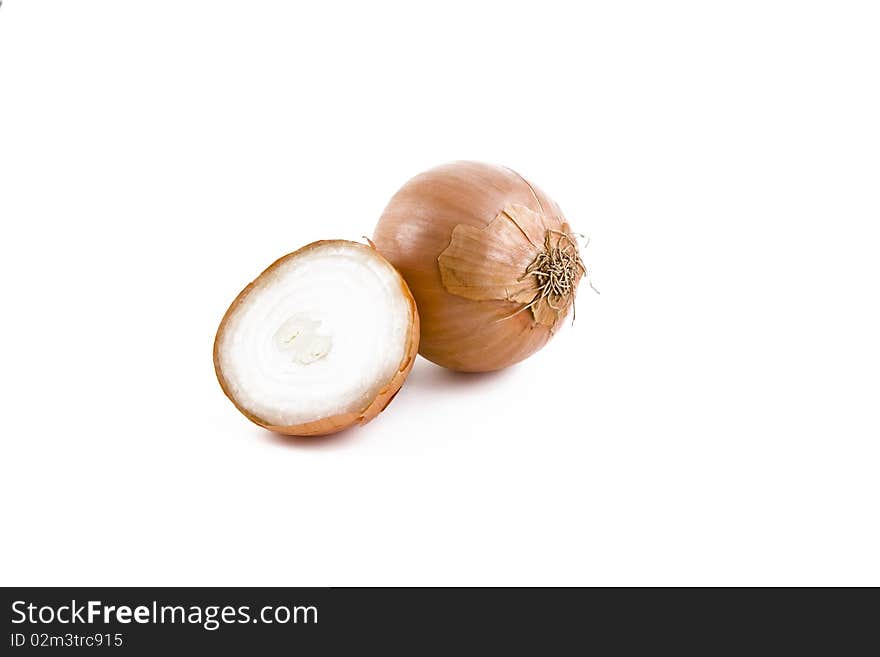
<point x="490" y="259"/>
<point x="320" y="341"/>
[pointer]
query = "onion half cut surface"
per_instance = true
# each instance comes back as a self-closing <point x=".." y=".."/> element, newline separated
<point x="320" y="341"/>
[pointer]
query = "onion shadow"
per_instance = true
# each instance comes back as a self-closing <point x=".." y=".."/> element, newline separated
<point x="430" y="376"/>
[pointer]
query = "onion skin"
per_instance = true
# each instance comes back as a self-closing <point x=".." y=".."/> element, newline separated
<point x="335" y="423"/>
<point x="417" y="227"/>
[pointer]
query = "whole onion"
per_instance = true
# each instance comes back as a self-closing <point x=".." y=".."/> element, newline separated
<point x="490" y="259"/>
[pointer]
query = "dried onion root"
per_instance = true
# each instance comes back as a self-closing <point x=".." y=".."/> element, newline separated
<point x="490" y="259"/>
<point x="320" y="341"/>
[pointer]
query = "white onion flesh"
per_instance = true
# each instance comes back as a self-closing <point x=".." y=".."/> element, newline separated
<point x="318" y="335"/>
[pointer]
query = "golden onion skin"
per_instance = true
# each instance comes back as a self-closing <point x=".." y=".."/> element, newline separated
<point x="417" y="226"/>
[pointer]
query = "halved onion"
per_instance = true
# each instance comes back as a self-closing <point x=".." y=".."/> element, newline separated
<point x="320" y="341"/>
<point x="490" y="259"/>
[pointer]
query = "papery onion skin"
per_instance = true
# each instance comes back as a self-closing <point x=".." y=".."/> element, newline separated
<point x="335" y="423"/>
<point x="417" y="227"/>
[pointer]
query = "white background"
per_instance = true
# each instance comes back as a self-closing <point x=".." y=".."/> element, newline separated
<point x="711" y="418"/>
